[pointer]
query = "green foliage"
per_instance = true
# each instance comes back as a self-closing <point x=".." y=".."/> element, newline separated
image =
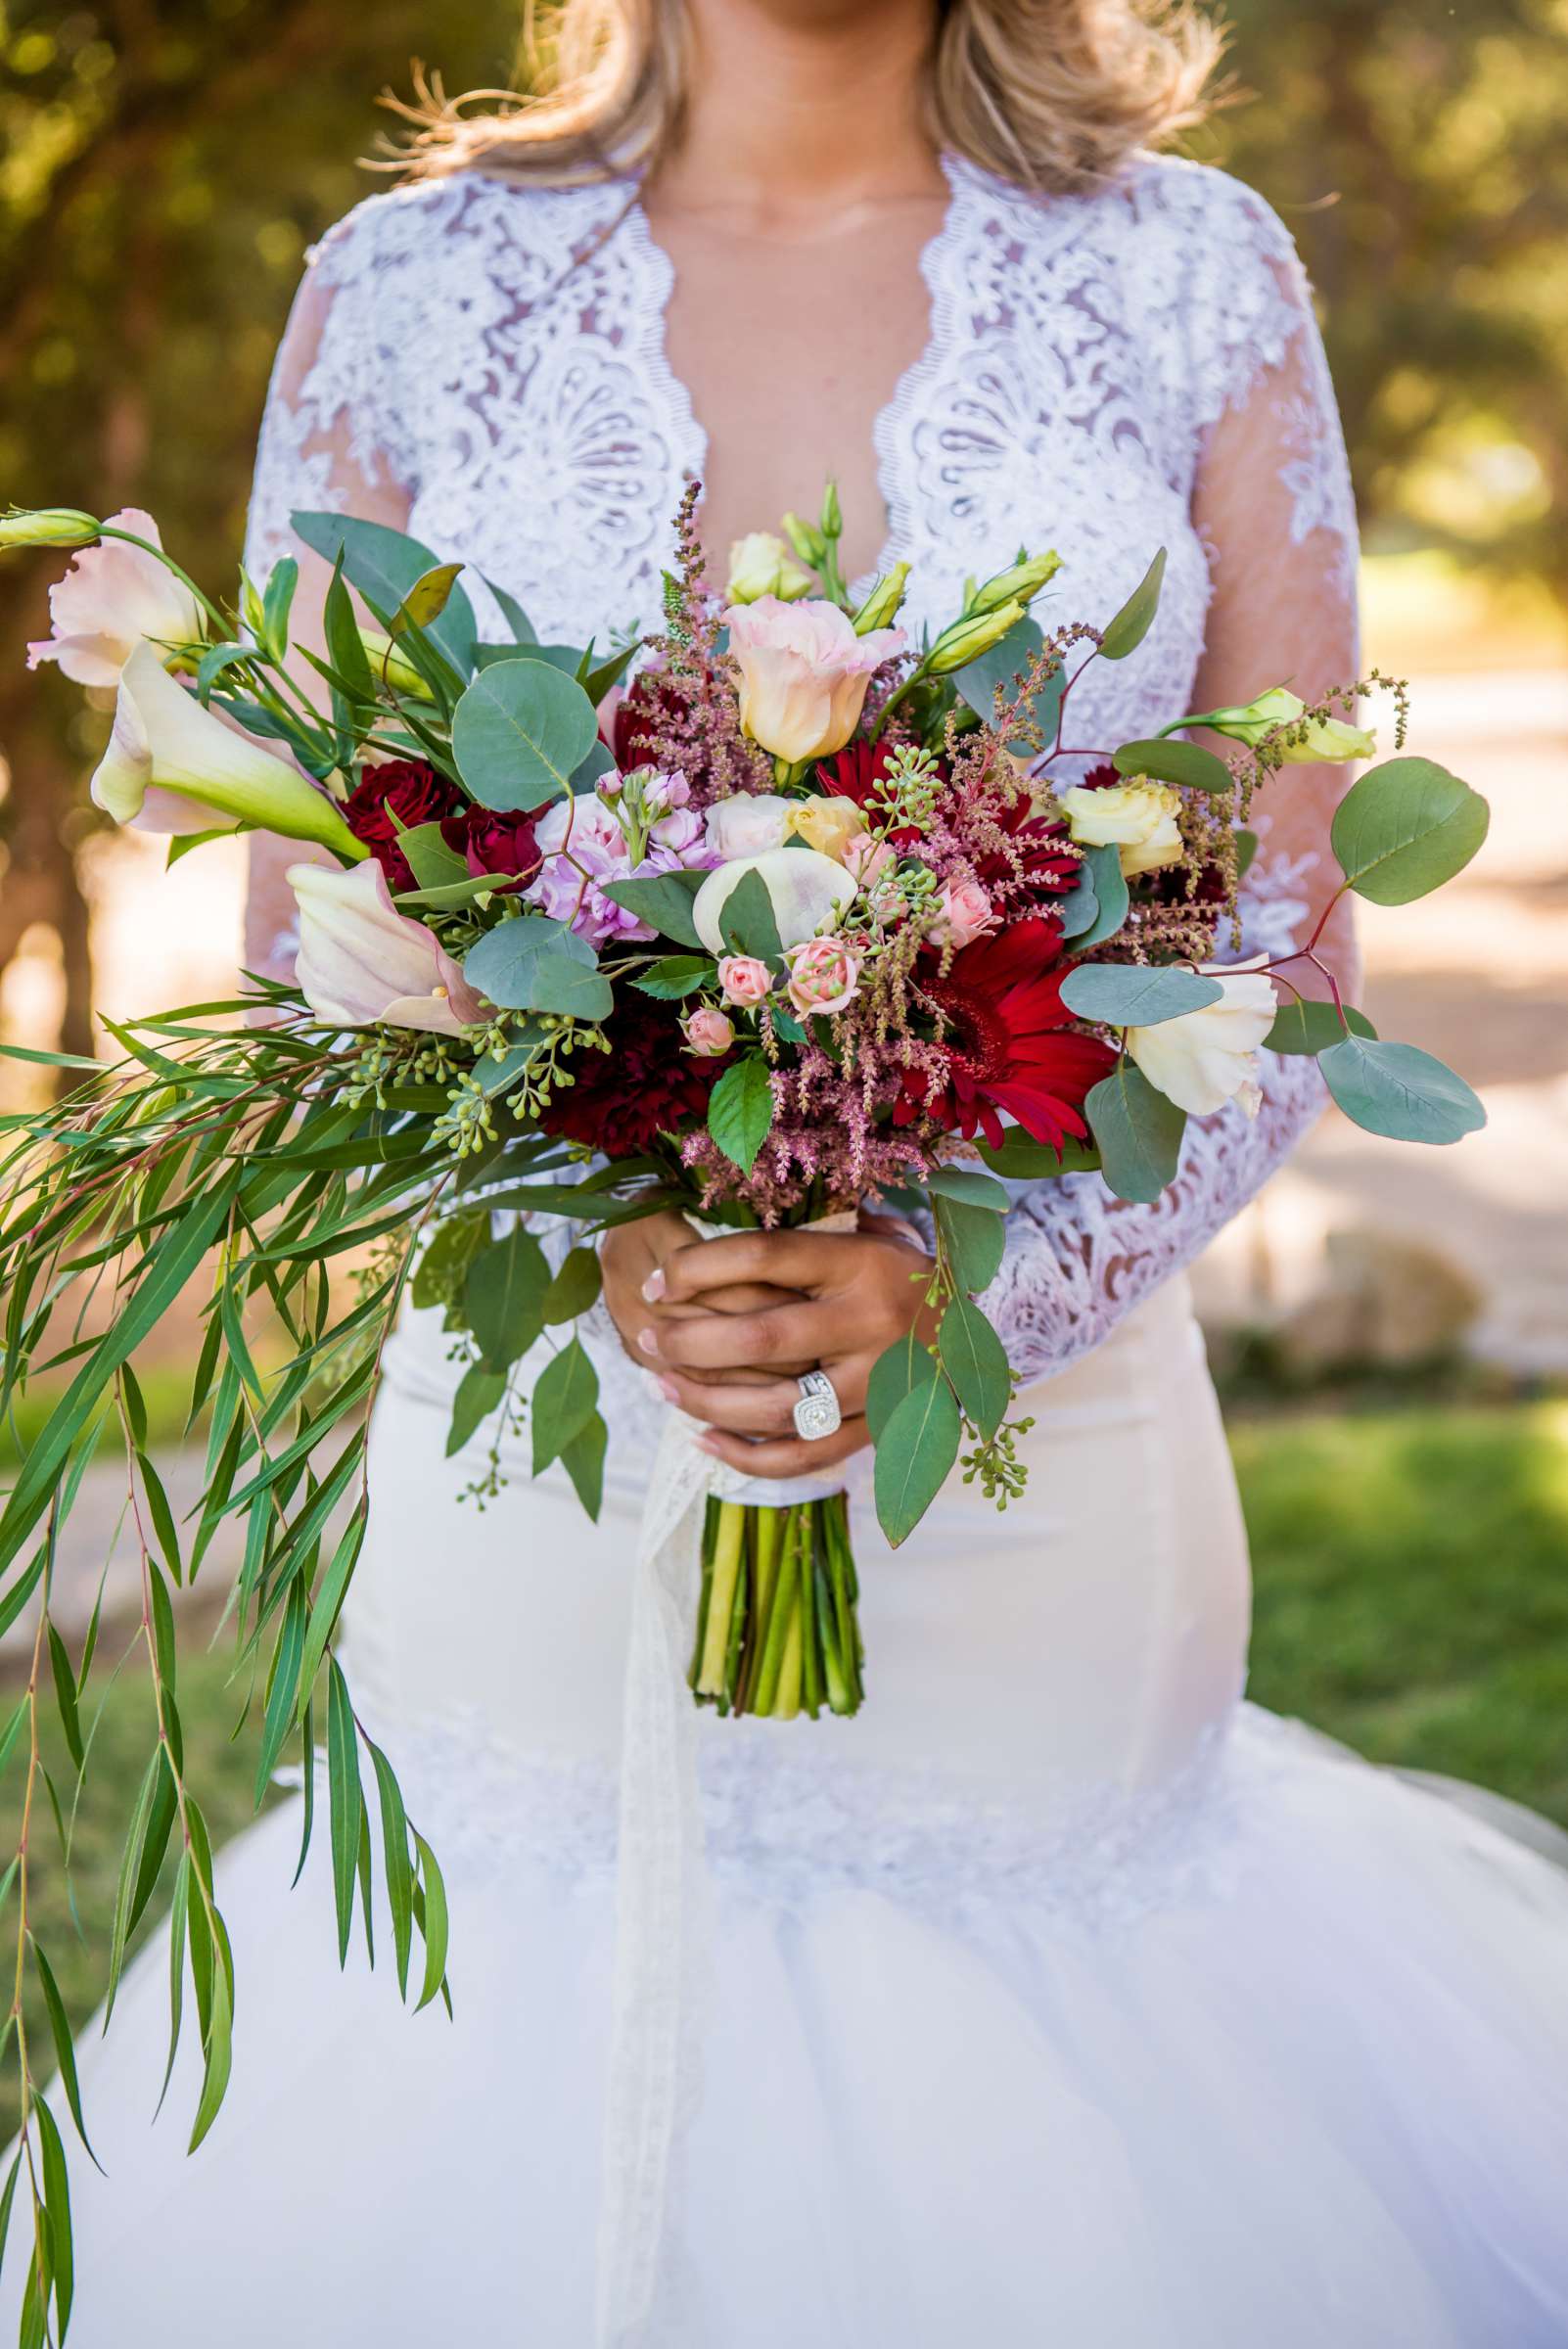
<point x="1137" y="1131"/>
<point x="1405" y="829"/>
<point x="521" y="731"/>
<point x="1185" y="763"/>
<point x="1398" y="1090"/>
<point x="533" y="964"/>
<point x="1130" y="995"/>
<point x="740" y="1111"/>
<point x="1136" y="619"/>
<point x="917" y="1449"/>
<point x="1312" y="1027"/>
<point x="1107" y="884"/>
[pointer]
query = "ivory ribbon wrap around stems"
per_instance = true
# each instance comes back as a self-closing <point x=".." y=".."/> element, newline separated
<point x="662" y="1897"/>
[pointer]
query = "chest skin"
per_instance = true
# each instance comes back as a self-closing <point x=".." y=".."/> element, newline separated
<point x="790" y="347"/>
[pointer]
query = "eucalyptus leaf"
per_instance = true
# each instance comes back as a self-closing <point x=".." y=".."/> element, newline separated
<point x="479" y="1393"/>
<point x="1137" y="1131"/>
<point x="583" y="1461"/>
<point x="1021" y="1158"/>
<point x="1185" y="763"/>
<point x="503" y="1297"/>
<point x="1134" y="621"/>
<point x="1398" y="1090"/>
<point x="1079" y="908"/>
<point x="575" y="1288"/>
<point x="531" y="963"/>
<point x="1130" y="995"/>
<point x="975" y="1360"/>
<point x="1312" y="1027"/>
<point x="519" y="731"/>
<point x="1405" y="828"/>
<point x="975" y="1239"/>
<point x="914" y="1457"/>
<point x="895" y="1373"/>
<point x="1111" y="900"/>
<point x="970" y="1187"/>
<point x="566" y="1396"/>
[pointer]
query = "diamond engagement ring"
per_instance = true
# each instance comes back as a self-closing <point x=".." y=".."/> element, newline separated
<point x="818" y="1412"/>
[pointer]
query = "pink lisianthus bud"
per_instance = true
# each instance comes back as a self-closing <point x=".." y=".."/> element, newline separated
<point x="824" y="975"/>
<point x="963" y="913"/>
<point x="745" y="980"/>
<point x="804" y="674"/>
<point x="709" y="1031"/>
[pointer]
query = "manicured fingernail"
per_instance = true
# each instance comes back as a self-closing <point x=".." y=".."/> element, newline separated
<point x="669" y="1390"/>
<point x="648" y="1340"/>
<point x="652" y="1288"/>
<point x="709" y="1441"/>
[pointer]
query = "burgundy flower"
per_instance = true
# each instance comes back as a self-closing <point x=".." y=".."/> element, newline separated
<point x="1009" y="1045"/>
<point x="646" y="1084"/>
<point x="497" y="842"/>
<point x="408" y="790"/>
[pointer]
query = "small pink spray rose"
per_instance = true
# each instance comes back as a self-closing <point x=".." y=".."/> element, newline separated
<point x="824" y="975"/>
<point x="709" y="1031"/>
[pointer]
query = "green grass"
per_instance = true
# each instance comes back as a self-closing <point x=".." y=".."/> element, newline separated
<point x="1411" y="1571"/>
<point x="1411" y="1598"/>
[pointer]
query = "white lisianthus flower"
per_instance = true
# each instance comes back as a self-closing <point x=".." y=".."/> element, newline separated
<point x="1139" y="818"/>
<point x="804" y="674"/>
<point x="173" y="767"/>
<point x="749" y="824"/>
<point x="361" y="961"/>
<point x="760" y="563"/>
<point x="112" y="598"/>
<point x="806" y="890"/>
<point x="1206" y="1058"/>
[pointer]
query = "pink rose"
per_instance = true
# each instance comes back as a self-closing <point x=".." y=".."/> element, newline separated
<point x="804" y="674"/>
<point x="745" y="978"/>
<point x="963" y="913"/>
<point x="708" y="1031"/>
<point x="824" y="975"/>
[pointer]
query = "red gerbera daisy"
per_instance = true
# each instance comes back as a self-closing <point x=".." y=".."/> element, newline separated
<point x="856" y="773"/>
<point x="1008" y="1044"/>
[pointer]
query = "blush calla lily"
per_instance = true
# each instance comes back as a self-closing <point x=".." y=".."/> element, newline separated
<point x="173" y="767"/>
<point x="361" y="961"/>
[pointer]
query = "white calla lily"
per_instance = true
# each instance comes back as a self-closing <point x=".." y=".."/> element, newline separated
<point x="173" y="767"/>
<point x="361" y="961"/>
<point x="805" y="888"/>
<point x="114" y="597"/>
<point x="1203" y="1059"/>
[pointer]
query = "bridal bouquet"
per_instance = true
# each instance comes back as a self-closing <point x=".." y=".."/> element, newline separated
<point x="795" y="923"/>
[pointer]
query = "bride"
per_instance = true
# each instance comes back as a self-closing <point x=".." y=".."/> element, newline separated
<point x="1063" y="1996"/>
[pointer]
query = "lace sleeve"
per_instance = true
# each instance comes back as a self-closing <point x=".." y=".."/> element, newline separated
<point x="1272" y="502"/>
<point x="331" y="438"/>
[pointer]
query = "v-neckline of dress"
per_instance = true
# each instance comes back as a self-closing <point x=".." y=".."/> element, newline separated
<point x="929" y="260"/>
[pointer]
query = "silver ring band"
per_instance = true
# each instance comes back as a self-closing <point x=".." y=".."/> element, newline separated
<point x="818" y="1412"/>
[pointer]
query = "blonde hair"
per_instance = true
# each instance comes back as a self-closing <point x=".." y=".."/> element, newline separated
<point x="1052" y="95"/>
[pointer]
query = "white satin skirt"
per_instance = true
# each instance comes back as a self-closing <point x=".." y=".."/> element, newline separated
<point x="1061" y="1996"/>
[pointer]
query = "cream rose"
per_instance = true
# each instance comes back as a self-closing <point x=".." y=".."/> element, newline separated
<point x="1139" y="818"/>
<point x="113" y="598"/>
<point x="361" y="961"/>
<point x="1206" y="1058"/>
<point x="827" y="825"/>
<point x="804" y="674"/>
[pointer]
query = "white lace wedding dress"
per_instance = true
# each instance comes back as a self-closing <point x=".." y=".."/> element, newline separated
<point x="1063" y="1997"/>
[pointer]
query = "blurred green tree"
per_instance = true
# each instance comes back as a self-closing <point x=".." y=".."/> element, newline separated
<point x="163" y="167"/>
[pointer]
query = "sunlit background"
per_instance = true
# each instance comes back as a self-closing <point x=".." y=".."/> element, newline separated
<point x="1390" y="1326"/>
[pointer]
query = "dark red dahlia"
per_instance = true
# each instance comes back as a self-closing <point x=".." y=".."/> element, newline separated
<point x="856" y="773"/>
<point x="404" y="789"/>
<point x="1009" y="1045"/>
<point x="646" y="1084"/>
<point x="496" y="843"/>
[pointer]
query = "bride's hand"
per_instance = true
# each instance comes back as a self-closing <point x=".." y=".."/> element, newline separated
<point x="634" y="1258"/>
<point x="858" y="1292"/>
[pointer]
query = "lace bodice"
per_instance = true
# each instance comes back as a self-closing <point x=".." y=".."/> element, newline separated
<point x="484" y="364"/>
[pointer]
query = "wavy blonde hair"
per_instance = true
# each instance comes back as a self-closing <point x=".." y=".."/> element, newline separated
<point x="1052" y="95"/>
